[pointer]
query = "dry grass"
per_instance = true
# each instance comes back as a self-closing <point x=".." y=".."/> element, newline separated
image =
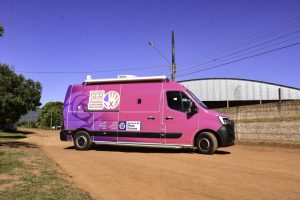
<point x="27" y="174"/>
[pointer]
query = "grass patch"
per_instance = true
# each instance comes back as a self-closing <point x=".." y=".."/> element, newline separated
<point x="38" y="177"/>
<point x="9" y="161"/>
<point x="11" y="136"/>
<point x="5" y="181"/>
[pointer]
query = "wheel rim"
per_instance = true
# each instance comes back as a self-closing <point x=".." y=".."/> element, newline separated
<point x="81" y="141"/>
<point x="204" y="144"/>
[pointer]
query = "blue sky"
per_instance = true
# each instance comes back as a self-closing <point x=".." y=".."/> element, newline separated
<point x="110" y="36"/>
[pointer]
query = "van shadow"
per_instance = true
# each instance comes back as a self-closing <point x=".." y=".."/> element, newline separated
<point x="125" y="149"/>
<point x="221" y="152"/>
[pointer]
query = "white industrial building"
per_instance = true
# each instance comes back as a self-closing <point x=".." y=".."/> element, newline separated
<point x="222" y="92"/>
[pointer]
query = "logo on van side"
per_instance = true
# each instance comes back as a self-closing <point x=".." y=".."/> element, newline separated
<point x="98" y="100"/>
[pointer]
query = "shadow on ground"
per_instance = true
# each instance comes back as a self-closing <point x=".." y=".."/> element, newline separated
<point x="125" y="149"/>
<point x="16" y="145"/>
<point x="24" y="132"/>
<point x="12" y="136"/>
<point x="221" y="152"/>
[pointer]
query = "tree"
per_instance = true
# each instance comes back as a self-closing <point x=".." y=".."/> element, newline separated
<point x="17" y="95"/>
<point x="1" y="30"/>
<point x="51" y="115"/>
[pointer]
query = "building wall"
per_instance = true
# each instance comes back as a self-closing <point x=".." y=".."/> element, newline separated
<point x="239" y="90"/>
<point x="267" y="123"/>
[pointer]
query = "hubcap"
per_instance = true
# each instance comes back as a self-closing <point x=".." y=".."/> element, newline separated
<point x="82" y="141"/>
<point x="204" y="144"/>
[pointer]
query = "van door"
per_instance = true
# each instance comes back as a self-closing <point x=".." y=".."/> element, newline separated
<point x="105" y="104"/>
<point x="140" y="119"/>
<point x="180" y="125"/>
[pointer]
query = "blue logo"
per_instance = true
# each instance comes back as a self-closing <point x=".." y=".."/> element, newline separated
<point x="122" y="125"/>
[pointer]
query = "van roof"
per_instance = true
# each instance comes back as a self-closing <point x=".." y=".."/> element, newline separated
<point x="125" y="79"/>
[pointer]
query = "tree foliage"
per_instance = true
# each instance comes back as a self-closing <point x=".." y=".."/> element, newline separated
<point x="51" y="110"/>
<point x="1" y="30"/>
<point x="18" y="95"/>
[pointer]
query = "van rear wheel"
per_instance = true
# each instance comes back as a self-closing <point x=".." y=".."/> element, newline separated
<point x="82" y="141"/>
<point x="206" y="143"/>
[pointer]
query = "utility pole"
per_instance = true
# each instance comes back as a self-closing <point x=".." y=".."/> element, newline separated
<point x="173" y="58"/>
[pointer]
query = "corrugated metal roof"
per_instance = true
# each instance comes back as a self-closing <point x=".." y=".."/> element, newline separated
<point x="232" y="89"/>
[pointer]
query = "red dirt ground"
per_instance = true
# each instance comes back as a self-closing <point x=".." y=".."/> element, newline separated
<point x="237" y="172"/>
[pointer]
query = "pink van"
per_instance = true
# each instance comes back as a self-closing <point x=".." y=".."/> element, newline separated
<point x="142" y="111"/>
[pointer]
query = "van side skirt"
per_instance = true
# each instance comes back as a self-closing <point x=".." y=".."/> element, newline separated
<point x="136" y="134"/>
<point x="138" y="144"/>
<point x="66" y="134"/>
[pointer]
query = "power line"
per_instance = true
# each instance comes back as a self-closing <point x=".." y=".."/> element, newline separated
<point x="247" y="49"/>
<point x="246" y="54"/>
<point x="266" y="33"/>
<point x="247" y="57"/>
<point x="236" y="51"/>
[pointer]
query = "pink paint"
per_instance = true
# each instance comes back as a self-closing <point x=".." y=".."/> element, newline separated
<point x="144" y="112"/>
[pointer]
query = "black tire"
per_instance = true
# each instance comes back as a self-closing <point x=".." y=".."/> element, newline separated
<point x="206" y="143"/>
<point x="82" y="141"/>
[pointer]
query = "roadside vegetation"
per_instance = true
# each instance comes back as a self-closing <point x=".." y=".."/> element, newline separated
<point x="25" y="173"/>
<point x="18" y="96"/>
<point x="51" y="116"/>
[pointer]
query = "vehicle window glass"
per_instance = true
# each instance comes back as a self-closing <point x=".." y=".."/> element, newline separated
<point x="197" y="99"/>
<point x="174" y="100"/>
<point x="185" y="102"/>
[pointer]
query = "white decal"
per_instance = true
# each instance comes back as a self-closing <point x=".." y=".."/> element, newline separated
<point x="111" y="100"/>
<point x="98" y="100"/>
<point x="133" y="126"/>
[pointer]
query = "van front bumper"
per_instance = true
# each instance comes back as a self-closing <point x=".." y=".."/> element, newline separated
<point x="226" y="135"/>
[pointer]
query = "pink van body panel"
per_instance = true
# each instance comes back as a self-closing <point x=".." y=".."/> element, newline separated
<point x="135" y="112"/>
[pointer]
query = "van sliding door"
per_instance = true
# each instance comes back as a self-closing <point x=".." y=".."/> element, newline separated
<point x="140" y="113"/>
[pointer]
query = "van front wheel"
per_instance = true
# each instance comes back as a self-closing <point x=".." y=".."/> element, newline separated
<point x="82" y="141"/>
<point x="206" y="143"/>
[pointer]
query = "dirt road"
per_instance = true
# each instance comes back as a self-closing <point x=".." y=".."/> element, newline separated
<point x="238" y="172"/>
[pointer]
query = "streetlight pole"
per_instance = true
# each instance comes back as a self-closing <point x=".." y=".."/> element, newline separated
<point x="159" y="52"/>
<point x="173" y="65"/>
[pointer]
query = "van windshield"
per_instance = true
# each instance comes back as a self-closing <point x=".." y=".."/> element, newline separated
<point x="197" y="99"/>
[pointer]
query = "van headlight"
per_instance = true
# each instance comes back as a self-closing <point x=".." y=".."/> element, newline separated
<point x="224" y="120"/>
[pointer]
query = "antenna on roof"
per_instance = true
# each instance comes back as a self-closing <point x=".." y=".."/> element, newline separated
<point x="126" y="76"/>
<point x="89" y="77"/>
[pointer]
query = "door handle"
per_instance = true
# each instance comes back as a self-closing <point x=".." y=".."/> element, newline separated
<point x="151" y="118"/>
<point x="169" y="118"/>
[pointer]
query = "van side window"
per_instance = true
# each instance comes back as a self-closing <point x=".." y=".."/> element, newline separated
<point x="178" y="101"/>
<point x="174" y="100"/>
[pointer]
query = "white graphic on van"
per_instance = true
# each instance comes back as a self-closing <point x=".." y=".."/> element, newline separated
<point x="111" y="100"/>
<point x="130" y="125"/>
<point x="98" y="100"/>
